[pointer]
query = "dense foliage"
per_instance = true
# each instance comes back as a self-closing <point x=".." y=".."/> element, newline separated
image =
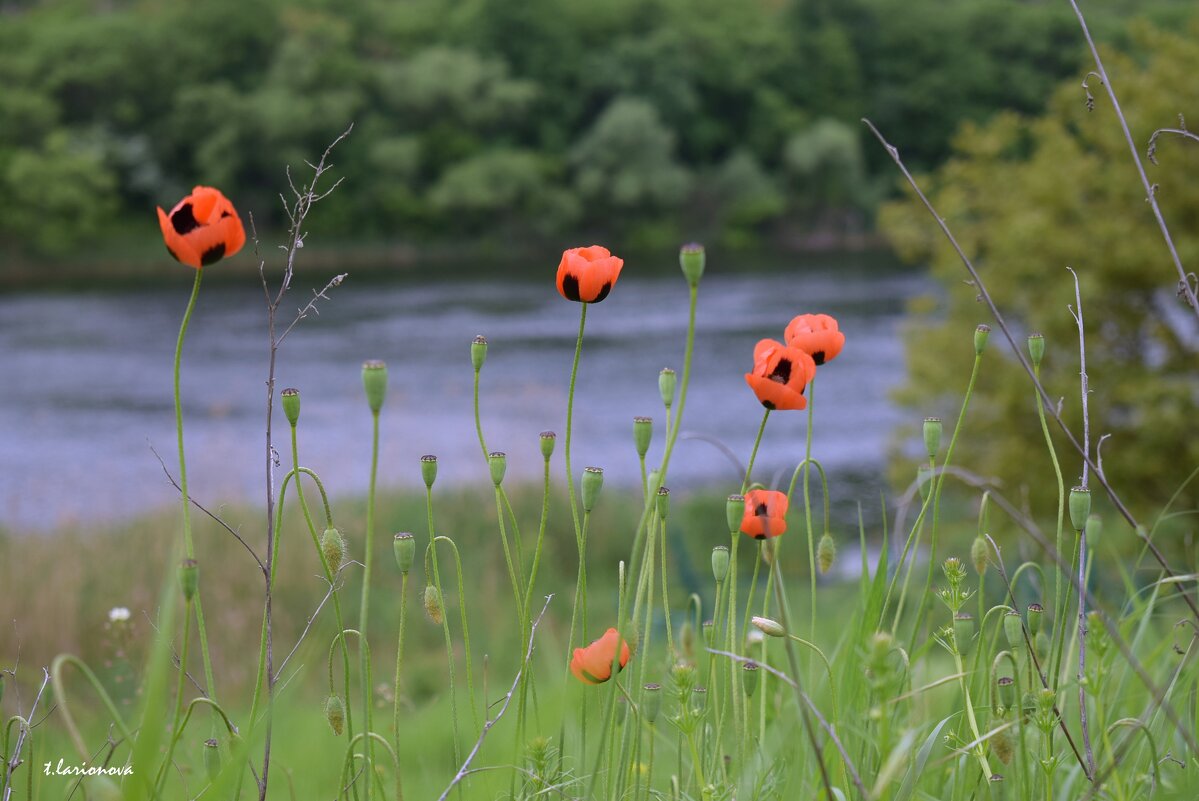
<point x="1027" y="198"/>
<point x="648" y="119"/>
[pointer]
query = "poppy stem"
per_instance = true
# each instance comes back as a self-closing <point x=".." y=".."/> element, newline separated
<point x="364" y="613"/>
<point x="1060" y="600"/>
<point x="570" y="409"/>
<point x="399" y="662"/>
<point x="431" y="558"/>
<point x="753" y="455"/>
<point x="807" y="510"/>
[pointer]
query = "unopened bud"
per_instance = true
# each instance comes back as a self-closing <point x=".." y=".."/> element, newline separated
<point x="826" y="552"/>
<point x="374" y="381"/>
<point x="1013" y="629"/>
<point x="692" y="260"/>
<point x="981" y="334"/>
<point x="189" y="578"/>
<point x="593" y="482"/>
<point x="404" y="546"/>
<point x="547" y="444"/>
<point x="428" y="469"/>
<point x="433" y="607"/>
<point x="667" y="380"/>
<point x="290" y="398"/>
<point x="478" y="352"/>
<point x="963" y="632"/>
<point x="651" y="702"/>
<point x="333" y="546"/>
<point x="1080" y="507"/>
<point x="1036" y="349"/>
<point x="932" y="436"/>
<point x="335" y="713"/>
<point x="687" y="640"/>
<point x="663" y="502"/>
<point x="643" y="432"/>
<point x="720" y="563"/>
<point x="497" y="463"/>
<point x="979" y="554"/>
<point x="771" y="628"/>
<point x="734" y="511"/>
<point x="212" y="759"/>
<point x="1035" y="613"/>
<point x="749" y="676"/>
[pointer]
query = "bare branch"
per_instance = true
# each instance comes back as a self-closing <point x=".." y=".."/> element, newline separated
<point x="1181" y="130"/>
<point x="334" y="282"/>
<point x="14" y="761"/>
<point x="307" y="627"/>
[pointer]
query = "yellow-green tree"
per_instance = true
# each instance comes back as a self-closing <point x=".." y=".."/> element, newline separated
<point x="1029" y="197"/>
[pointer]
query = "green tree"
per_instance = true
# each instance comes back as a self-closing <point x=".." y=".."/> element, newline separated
<point x="1028" y="197"/>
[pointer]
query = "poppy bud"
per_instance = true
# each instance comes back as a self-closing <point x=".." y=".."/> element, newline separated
<point x="663" y="502"/>
<point x="932" y="436"/>
<point x="593" y="482"/>
<point x="963" y="632"/>
<point x="334" y="548"/>
<point x="981" y="335"/>
<point x="478" y="352"/>
<point x="720" y="563"/>
<point x="189" y="578"/>
<point x="699" y="698"/>
<point x="428" y="469"/>
<point x="497" y="462"/>
<point x="1080" y="507"/>
<point x="212" y="759"/>
<point x="708" y="626"/>
<point x="404" y="546"/>
<point x="335" y="713"/>
<point x="651" y="702"/>
<point x="749" y="676"/>
<point x="643" y="432"/>
<point x="667" y="381"/>
<point x="687" y="640"/>
<point x="1036" y="349"/>
<point x="826" y="552"/>
<point x="374" y="381"/>
<point x="1035" y="613"/>
<point x="692" y="260"/>
<point x="771" y="628"/>
<point x="433" y="607"/>
<point x="1013" y="630"/>
<point x="924" y="478"/>
<point x="1095" y="528"/>
<point x="290" y="398"/>
<point x="547" y="444"/>
<point x="734" y="510"/>
<point x="978" y="555"/>
<point x="1007" y="691"/>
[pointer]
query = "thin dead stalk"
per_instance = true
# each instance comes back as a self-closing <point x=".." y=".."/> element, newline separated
<point x="14" y="761"/>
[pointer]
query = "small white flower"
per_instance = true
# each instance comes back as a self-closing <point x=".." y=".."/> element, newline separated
<point x="118" y="614"/>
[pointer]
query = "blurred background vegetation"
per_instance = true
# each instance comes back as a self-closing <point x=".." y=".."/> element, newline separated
<point x="649" y="121"/>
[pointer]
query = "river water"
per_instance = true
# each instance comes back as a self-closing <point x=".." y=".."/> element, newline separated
<point x="85" y="383"/>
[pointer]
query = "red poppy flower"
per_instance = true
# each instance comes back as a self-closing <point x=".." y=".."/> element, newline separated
<point x="593" y="664"/>
<point x="765" y="514"/>
<point x="816" y="335"/>
<point x="588" y="274"/>
<point x="202" y="229"/>
<point x="780" y="374"/>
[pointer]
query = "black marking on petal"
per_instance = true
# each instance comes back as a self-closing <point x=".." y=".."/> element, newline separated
<point x="213" y="254"/>
<point x="769" y="405"/>
<point x="570" y="287"/>
<point x="184" y="220"/>
<point x="781" y="372"/>
<point x="225" y="214"/>
<point x="759" y="536"/>
<point x="818" y="357"/>
<point x="603" y="293"/>
<point x="761" y="510"/>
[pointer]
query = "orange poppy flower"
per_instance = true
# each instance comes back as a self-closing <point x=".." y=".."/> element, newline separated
<point x="780" y="374"/>
<point x="816" y="335"/>
<point x="202" y="229"/>
<point x="588" y="274"/>
<point x="593" y="664"/>
<point x="765" y="514"/>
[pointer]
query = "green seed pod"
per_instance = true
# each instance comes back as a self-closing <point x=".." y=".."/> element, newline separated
<point x="981" y="334"/>
<point x="1080" y="507"/>
<point x="663" y="502"/>
<point x="749" y="675"/>
<point x="335" y="713"/>
<point x="1041" y="643"/>
<point x="932" y="436"/>
<point x="433" y="606"/>
<point x="212" y="759"/>
<point x="290" y="398"/>
<point x="667" y="381"/>
<point x="548" y="438"/>
<point x="497" y="463"/>
<point x="734" y="510"/>
<point x="643" y="433"/>
<point x="924" y="477"/>
<point x="771" y="628"/>
<point x="826" y="552"/>
<point x="428" y="469"/>
<point x="720" y="563"/>
<point x="651" y="702"/>
<point x="374" y="381"/>
<point x="708" y="627"/>
<point x="1095" y="530"/>
<point x="333" y="546"/>
<point x="963" y="632"/>
<point x="1036" y="349"/>
<point x="1035" y="613"/>
<point x="404" y="546"/>
<point x="998" y="784"/>
<point x="699" y="699"/>
<point x="979" y="555"/>
<point x="1007" y="691"/>
<point x="189" y="578"/>
<point x="1013" y="630"/>
<point x="478" y="352"/>
<point x="593" y="482"/>
<point x="692" y="261"/>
